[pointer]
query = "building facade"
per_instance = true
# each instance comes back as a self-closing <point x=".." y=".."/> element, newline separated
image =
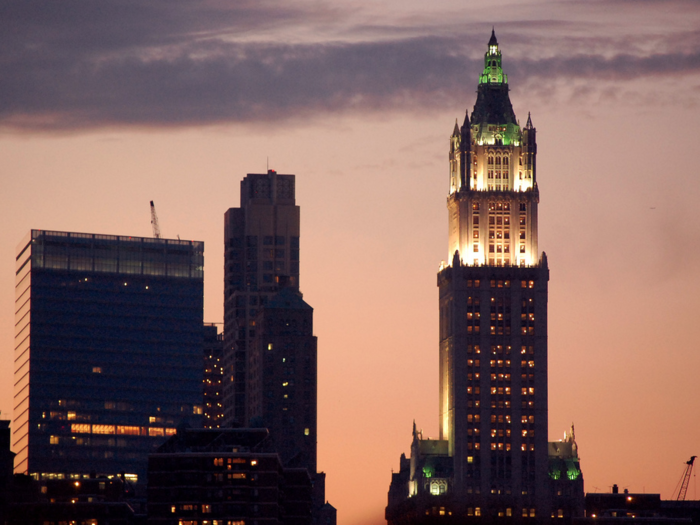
<point x="261" y="246"/>
<point x="493" y="326"/>
<point x="105" y="326"/>
<point x="225" y="477"/>
<point x="282" y="378"/>
<point x="270" y="352"/>
<point x="213" y="407"/>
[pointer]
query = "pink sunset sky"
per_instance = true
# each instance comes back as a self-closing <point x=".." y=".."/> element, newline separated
<point x="106" y="106"/>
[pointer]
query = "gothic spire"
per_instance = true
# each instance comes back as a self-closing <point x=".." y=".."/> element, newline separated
<point x="493" y="41"/>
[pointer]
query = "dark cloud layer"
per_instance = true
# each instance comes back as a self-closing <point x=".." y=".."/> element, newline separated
<point x="82" y="64"/>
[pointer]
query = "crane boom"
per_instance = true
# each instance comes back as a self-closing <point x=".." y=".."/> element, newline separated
<point x="154" y="221"/>
<point x="686" y="479"/>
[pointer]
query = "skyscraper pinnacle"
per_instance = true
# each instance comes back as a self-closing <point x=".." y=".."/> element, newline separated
<point x="493" y="41"/>
<point x="529" y="122"/>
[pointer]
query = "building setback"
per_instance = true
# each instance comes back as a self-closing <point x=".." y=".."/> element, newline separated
<point x="261" y="246"/>
<point x="106" y="327"/>
<point x="492" y="459"/>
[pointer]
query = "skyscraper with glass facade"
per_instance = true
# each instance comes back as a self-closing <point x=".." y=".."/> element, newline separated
<point x="108" y="350"/>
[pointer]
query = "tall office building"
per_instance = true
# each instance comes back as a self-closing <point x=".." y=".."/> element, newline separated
<point x="261" y="246"/>
<point x="108" y="351"/>
<point x="492" y="458"/>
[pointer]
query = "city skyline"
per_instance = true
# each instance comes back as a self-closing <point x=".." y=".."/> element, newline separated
<point x="612" y="87"/>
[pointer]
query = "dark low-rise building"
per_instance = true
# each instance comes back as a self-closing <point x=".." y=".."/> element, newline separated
<point x="92" y="501"/>
<point x="225" y="477"/>
<point x="626" y="507"/>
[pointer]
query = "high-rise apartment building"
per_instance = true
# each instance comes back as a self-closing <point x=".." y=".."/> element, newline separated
<point x="213" y="406"/>
<point x="493" y="332"/>
<point x="108" y="351"/>
<point x="270" y="359"/>
<point x="261" y="247"/>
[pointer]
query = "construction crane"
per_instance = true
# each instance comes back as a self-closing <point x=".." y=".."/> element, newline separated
<point x="154" y="221"/>
<point x="685" y="480"/>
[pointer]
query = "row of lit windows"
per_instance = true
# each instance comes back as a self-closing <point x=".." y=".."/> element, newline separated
<point x="500" y="364"/>
<point x="211" y="522"/>
<point x="81" y="428"/>
<point x="133" y="478"/>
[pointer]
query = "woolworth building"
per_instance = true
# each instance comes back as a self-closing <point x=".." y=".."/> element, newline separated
<point x="492" y="461"/>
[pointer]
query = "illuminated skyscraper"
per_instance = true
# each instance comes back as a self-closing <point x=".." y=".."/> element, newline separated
<point x="261" y="248"/>
<point x="108" y="351"/>
<point x="493" y="334"/>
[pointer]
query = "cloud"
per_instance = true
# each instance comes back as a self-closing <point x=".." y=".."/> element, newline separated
<point x="79" y="64"/>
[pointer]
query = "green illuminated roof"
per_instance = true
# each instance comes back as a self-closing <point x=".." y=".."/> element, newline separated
<point x="493" y="104"/>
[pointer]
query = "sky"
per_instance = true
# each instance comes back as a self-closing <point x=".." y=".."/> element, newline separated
<point x="105" y="106"/>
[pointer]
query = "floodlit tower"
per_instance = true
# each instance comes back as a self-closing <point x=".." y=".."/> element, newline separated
<point x="492" y="462"/>
<point x="493" y="309"/>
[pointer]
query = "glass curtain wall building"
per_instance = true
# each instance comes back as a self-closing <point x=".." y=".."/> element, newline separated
<point x="108" y="350"/>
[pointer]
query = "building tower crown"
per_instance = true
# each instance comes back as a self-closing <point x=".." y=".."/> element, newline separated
<point x="493" y="71"/>
<point x="493" y="190"/>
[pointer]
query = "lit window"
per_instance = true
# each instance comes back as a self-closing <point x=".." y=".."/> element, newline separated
<point x="103" y="429"/>
<point x="96" y="370"/>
